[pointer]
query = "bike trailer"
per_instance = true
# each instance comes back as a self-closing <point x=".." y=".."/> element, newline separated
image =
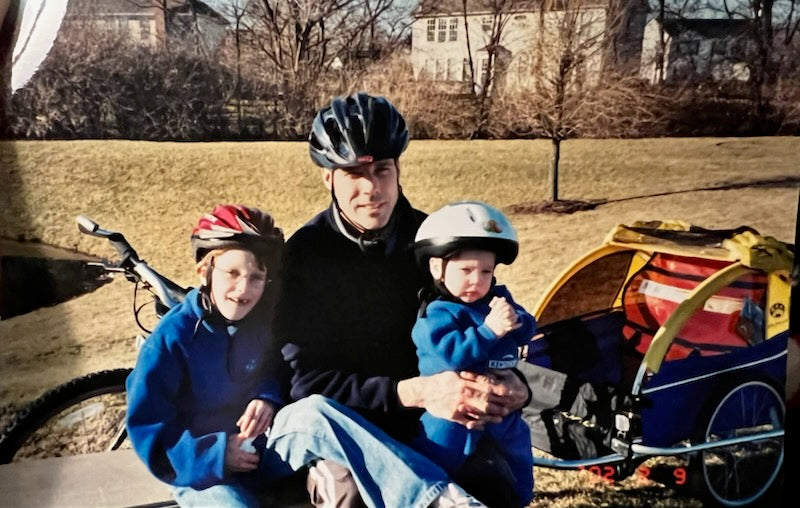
<point x="668" y="339"/>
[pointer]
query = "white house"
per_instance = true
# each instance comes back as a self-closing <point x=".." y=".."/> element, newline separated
<point x="697" y="50"/>
<point x="149" y="22"/>
<point x="439" y="35"/>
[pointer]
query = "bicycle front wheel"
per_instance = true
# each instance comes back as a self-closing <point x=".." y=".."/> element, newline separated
<point x="85" y="415"/>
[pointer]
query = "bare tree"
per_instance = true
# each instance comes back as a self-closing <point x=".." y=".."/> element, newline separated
<point x="571" y="39"/>
<point x="495" y="17"/>
<point x="297" y="53"/>
<point x="761" y="47"/>
<point x="773" y="27"/>
<point x="566" y="94"/>
<point x="96" y="84"/>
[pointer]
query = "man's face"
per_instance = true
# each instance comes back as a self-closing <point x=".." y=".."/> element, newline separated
<point x="367" y="194"/>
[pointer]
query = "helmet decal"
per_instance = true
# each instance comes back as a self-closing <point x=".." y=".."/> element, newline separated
<point x="492" y="226"/>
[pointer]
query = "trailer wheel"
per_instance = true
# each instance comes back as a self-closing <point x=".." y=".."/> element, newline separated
<point x="739" y="474"/>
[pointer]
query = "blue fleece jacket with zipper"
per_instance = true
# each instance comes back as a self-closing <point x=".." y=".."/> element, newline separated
<point x="451" y="335"/>
<point x="193" y="379"/>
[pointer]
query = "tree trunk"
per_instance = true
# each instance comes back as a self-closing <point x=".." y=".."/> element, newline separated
<point x="556" y="142"/>
<point x="662" y="44"/>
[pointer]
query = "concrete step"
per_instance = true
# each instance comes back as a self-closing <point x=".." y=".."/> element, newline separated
<point x="114" y="479"/>
<point x="108" y="480"/>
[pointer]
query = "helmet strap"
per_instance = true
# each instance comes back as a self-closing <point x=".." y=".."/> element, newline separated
<point x="353" y="225"/>
<point x="205" y="291"/>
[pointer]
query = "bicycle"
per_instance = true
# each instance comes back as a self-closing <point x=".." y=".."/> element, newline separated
<point x="87" y="414"/>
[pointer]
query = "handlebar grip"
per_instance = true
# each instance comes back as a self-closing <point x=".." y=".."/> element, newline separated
<point x="86" y="225"/>
<point x="126" y="252"/>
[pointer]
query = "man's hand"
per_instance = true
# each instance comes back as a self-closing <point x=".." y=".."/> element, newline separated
<point x="509" y="391"/>
<point x="257" y="417"/>
<point x="473" y="400"/>
<point x="236" y="459"/>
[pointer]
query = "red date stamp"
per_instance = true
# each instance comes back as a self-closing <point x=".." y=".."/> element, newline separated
<point x="608" y="473"/>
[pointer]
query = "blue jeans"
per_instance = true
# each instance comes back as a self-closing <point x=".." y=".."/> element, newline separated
<point x="388" y="473"/>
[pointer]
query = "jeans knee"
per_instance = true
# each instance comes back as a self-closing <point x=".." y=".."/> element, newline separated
<point x="317" y="405"/>
<point x="314" y="402"/>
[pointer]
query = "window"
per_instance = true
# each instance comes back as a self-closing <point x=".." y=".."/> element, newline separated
<point x="453" y="69"/>
<point x="524" y="65"/>
<point x="593" y="288"/>
<point x="144" y="28"/>
<point x="688" y="47"/>
<point x="442" y="30"/>
<point x="465" y="73"/>
<point x="440" y="70"/>
<point x="134" y="29"/>
<point x="453" y="29"/>
<point x="484" y="71"/>
<point x="431" y="30"/>
<point x="430" y="68"/>
<point x="719" y="47"/>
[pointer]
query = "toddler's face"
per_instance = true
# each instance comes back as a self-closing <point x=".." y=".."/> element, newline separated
<point x="468" y="275"/>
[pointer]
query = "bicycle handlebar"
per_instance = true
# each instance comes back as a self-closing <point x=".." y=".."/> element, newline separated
<point x="166" y="291"/>
<point x="125" y="250"/>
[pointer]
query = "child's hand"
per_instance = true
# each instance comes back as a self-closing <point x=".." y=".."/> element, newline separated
<point x="256" y="419"/>
<point x="502" y="317"/>
<point x="236" y="459"/>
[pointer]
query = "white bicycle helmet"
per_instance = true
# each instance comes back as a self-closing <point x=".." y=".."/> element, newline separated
<point x="466" y="225"/>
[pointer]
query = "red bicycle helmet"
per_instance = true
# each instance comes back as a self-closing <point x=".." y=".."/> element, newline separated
<point x="237" y="226"/>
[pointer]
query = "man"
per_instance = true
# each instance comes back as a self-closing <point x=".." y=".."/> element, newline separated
<point x="350" y="301"/>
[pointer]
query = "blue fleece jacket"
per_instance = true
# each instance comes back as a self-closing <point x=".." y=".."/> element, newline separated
<point x="194" y="377"/>
<point x="451" y="335"/>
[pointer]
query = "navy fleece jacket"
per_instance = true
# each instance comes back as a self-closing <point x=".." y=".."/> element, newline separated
<point x="194" y="377"/>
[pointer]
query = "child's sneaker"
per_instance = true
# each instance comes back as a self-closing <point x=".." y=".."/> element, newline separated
<point x="454" y="496"/>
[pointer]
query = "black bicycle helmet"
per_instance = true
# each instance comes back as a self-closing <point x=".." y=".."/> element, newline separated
<point x="237" y="226"/>
<point x="357" y="129"/>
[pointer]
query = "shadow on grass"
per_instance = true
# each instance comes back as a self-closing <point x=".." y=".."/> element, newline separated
<point x="562" y="206"/>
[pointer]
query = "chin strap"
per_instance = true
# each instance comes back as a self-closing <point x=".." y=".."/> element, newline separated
<point x="371" y="242"/>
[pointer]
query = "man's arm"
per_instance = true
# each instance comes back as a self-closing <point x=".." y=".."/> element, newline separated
<point x="312" y="375"/>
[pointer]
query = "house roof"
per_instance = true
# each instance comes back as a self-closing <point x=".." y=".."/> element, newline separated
<point x="436" y="7"/>
<point x="708" y="28"/>
<point x="439" y="7"/>
<point x="101" y="7"/>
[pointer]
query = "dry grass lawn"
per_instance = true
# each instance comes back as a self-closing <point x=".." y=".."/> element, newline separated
<point x="154" y="192"/>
